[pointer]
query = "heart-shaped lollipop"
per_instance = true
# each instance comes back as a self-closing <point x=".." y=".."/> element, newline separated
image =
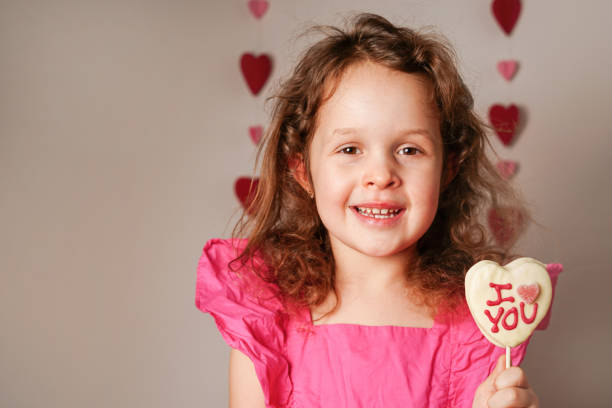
<point x="508" y="302"/>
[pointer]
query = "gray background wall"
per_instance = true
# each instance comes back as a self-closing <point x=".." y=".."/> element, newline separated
<point x="123" y="125"/>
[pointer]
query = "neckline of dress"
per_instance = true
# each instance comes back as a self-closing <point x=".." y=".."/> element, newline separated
<point x="307" y="315"/>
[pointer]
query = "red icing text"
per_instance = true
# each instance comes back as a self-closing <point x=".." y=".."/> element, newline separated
<point x="508" y="318"/>
<point x="498" y="289"/>
<point x="495" y="319"/>
<point x="533" y="315"/>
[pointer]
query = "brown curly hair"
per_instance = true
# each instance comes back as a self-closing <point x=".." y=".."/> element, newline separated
<point x="282" y="224"/>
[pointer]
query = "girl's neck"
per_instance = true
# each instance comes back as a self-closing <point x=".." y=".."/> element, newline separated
<point x="372" y="291"/>
<point x="367" y="276"/>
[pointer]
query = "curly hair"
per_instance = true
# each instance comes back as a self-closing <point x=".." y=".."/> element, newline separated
<point x="282" y="224"/>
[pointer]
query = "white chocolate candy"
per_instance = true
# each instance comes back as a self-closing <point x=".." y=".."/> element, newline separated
<point x="508" y="302"/>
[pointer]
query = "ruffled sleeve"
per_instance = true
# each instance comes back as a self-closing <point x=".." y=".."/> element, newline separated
<point x="248" y="315"/>
<point x="473" y="357"/>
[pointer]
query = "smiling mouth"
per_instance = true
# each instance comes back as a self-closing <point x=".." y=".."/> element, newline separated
<point x="378" y="213"/>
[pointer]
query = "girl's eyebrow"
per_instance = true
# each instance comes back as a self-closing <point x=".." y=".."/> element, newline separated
<point x="407" y="132"/>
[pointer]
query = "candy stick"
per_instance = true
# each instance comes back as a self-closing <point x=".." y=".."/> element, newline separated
<point x="508" y="361"/>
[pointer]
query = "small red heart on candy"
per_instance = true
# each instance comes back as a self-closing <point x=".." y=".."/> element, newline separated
<point x="504" y="121"/>
<point x="255" y="70"/>
<point x="245" y="188"/>
<point x="507" y="68"/>
<point x="258" y="8"/>
<point x="256" y="132"/>
<point x="529" y="293"/>
<point x="506" y="168"/>
<point x="506" y="13"/>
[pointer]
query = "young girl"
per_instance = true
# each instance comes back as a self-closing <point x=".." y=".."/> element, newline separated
<point x="349" y="290"/>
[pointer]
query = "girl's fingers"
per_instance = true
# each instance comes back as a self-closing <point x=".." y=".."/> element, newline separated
<point x="487" y="388"/>
<point x="513" y="397"/>
<point x="511" y="377"/>
<point x="513" y="390"/>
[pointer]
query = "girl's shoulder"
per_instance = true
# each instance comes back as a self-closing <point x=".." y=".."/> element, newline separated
<point x="224" y="282"/>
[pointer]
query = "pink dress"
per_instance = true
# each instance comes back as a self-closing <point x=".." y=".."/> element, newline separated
<point x="301" y="365"/>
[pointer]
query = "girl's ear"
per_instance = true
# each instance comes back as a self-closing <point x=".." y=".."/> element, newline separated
<point x="298" y="170"/>
<point x="450" y="169"/>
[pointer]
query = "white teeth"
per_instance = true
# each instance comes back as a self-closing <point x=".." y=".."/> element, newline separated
<point x="378" y="212"/>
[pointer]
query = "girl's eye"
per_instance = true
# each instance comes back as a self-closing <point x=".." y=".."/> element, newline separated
<point x="349" y="150"/>
<point x="409" y="150"/>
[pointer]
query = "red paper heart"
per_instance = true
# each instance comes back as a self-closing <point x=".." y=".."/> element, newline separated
<point x="507" y="68"/>
<point x="506" y="168"/>
<point x="258" y="8"/>
<point x="256" y="70"/>
<point x="505" y="224"/>
<point x="504" y="121"/>
<point x="256" y="132"/>
<point x="529" y="293"/>
<point x="506" y="13"/>
<point x="245" y="188"/>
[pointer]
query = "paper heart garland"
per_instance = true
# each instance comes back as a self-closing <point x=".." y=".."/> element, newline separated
<point x="506" y="168"/>
<point x="245" y="188"/>
<point x="258" y="8"/>
<point x="256" y="132"/>
<point x="505" y="224"/>
<point x="506" y="13"/>
<point x="504" y="121"/>
<point x="507" y="68"/>
<point x="493" y="294"/>
<point x="255" y="70"/>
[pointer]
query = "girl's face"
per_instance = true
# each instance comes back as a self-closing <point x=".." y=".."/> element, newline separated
<point x="376" y="161"/>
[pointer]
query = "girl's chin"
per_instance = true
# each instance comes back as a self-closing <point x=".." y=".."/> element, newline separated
<point x="380" y="251"/>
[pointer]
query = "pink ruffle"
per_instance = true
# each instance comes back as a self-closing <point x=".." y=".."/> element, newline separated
<point x="249" y="317"/>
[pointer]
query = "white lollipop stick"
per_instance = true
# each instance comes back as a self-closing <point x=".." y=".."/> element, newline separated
<point x="508" y="361"/>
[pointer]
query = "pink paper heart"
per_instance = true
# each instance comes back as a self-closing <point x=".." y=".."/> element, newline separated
<point x="529" y="293"/>
<point x="256" y="133"/>
<point x="507" y="68"/>
<point x="554" y="269"/>
<point x="506" y="168"/>
<point x="258" y="8"/>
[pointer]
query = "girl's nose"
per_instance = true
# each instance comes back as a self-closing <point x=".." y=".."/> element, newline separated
<point x="381" y="175"/>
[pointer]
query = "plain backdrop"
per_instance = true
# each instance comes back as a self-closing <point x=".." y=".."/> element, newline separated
<point x="124" y="124"/>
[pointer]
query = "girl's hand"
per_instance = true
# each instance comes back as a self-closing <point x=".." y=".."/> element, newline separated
<point x="505" y="388"/>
